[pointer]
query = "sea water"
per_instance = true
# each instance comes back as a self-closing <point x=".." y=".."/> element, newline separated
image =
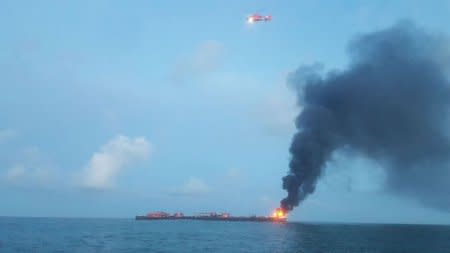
<point x="129" y="235"/>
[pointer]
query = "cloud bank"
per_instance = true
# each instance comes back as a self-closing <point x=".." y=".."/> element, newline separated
<point x="31" y="168"/>
<point x="192" y="187"/>
<point x="7" y="134"/>
<point x="119" y="153"/>
<point x="206" y="59"/>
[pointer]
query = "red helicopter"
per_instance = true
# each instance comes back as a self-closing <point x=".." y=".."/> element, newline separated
<point x="256" y="18"/>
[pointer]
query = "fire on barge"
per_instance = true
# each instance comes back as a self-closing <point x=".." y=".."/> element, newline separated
<point x="278" y="216"/>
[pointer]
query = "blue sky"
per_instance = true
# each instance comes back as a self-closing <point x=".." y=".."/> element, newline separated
<point x="116" y="108"/>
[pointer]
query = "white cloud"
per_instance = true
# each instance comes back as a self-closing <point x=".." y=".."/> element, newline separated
<point x="28" y="175"/>
<point x="32" y="169"/>
<point x="15" y="173"/>
<point x="277" y="111"/>
<point x="7" y="134"/>
<point x="206" y="59"/>
<point x="192" y="187"/>
<point x="235" y="174"/>
<point x="105" y="165"/>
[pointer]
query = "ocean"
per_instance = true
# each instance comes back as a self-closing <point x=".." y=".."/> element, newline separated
<point x="127" y="235"/>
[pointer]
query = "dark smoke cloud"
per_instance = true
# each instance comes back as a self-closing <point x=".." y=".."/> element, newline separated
<point x="391" y="104"/>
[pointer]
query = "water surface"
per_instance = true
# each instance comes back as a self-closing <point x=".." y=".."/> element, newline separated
<point x="128" y="235"/>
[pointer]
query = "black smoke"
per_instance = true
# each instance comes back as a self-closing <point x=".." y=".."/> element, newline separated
<point x="391" y="104"/>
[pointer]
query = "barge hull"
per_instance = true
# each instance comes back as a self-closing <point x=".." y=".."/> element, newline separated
<point x="253" y="219"/>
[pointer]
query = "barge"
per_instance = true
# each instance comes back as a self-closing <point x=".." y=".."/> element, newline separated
<point x="278" y="216"/>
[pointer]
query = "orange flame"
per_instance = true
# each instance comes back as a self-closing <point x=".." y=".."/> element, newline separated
<point x="279" y="214"/>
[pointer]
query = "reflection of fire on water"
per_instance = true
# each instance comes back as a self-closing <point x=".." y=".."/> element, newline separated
<point x="279" y="214"/>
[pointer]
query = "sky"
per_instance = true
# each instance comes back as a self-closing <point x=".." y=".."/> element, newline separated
<point x="118" y="108"/>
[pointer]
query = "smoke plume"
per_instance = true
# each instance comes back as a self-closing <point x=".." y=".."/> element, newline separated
<point x="391" y="104"/>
